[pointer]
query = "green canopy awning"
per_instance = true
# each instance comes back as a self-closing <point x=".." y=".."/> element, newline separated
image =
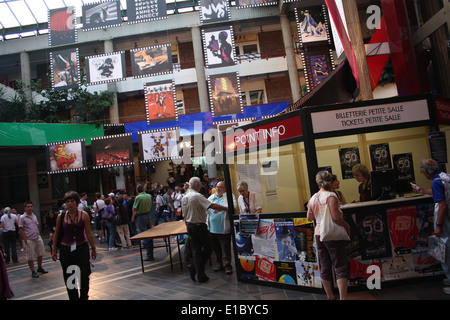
<point x="39" y="134"/>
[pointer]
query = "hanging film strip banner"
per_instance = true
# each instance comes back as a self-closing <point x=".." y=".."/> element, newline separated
<point x="225" y="94"/>
<point x="112" y="151"/>
<point x="160" y="98"/>
<point x="65" y="69"/>
<point x="105" y="68"/>
<point x="240" y="4"/>
<point x="214" y="11"/>
<point x="61" y="26"/>
<point x="101" y="15"/>
<point x="151" y="61"/>
<point x="159" y="145"/>
<point x="66" y="156"/>
<point x="146" y="10"/>
<point x="218" y="47"/>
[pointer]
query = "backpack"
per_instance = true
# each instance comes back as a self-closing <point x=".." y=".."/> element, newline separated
<point x="117" y="217"/>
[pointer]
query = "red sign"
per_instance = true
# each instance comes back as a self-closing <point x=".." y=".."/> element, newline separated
<point x="272" y="132"/>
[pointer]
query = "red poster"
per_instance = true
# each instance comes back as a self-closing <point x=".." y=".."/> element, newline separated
<point x="265" y="270"/>
<point x="403" y="226"/>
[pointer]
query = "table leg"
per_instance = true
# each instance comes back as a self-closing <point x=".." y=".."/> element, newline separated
<point x="142" y="260"/>
<point x="179" y="252"/>
<point x="170" y="252"/>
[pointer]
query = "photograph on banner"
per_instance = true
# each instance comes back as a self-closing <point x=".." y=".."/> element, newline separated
<point x="254" y="3"/>
<point x="112" y="151"/>
<point x="308" y="274"/>
<point x="151" y="61"/>
<point x="349" y="157"/>
<point x="101" y="15"/>
<point x="225" y="94"/>
<point x="403" y="166"/>
<point x="160" y="101"/>
<point x="218" y="44"/>
<point x="105" y="68"/>
<point x="146" y="10"/>
<point x="66" y="156"/>
<point x="61" y="26"/>
<point x="65" y="69"/>
<point x="158" y="145"/>
<point x="380" y="156"/>
<point x="312" y="24"/>
<point x="214" y="11"/>
<point x="318" y="65"/>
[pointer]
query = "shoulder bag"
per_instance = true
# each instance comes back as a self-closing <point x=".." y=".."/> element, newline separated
<point x="329" y="230"/>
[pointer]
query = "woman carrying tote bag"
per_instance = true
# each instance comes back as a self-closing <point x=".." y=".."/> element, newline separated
<point x="324" y="207"/>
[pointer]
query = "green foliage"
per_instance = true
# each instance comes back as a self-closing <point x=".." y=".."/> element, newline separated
<point x="57" y="106"/>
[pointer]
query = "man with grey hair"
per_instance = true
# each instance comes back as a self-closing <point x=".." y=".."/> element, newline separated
<point x="430" y="169"/>
<point x="194" y="206"/>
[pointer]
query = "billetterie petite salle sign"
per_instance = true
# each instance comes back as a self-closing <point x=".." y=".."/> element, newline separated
<point x="370" y="116"/>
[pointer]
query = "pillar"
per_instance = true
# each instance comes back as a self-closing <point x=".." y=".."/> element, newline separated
<point x="25" y="74"/>
<point x="356" y="39"/>
<point x="200" y="69"/>
<point x="290" y="57"/>
<point x="114" y="108"/>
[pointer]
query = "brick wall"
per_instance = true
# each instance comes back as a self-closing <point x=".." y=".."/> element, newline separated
<point x="191" y="100"/>
<point x="270" y="42"/>
<point x="278" y="89"/>
<point x="132" y="109"/>
<point x="186" y="54"/>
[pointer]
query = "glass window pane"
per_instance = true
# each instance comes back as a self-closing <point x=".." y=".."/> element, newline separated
<point x="256" y="97"/>
<point x="251" y="48"/>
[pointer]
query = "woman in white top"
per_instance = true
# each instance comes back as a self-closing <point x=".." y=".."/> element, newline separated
<point x="8" y="222"/>
<point x="331" y="254"/>
<point x="249" y="202"/>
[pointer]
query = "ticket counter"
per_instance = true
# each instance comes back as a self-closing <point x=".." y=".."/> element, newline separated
<point x="279" y="158"/>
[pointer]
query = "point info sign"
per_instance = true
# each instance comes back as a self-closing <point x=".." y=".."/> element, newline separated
<point x="276" y="131"/>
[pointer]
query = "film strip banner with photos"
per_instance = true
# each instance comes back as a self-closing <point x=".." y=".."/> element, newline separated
<point x="66" y="156"/>
<point x="101" y="15"/>
<point x="105" y="68"/>
<point x="317" y="65"/>
<point x="218" y="46"/>
<point x="160" y="98"/>
<point x="65" y="69"/>
<point x="312" y="25"/>
<point x="146" y="10"/>
<point x="225" y="94"/>
<point x="214" y="11"/>
<point x="221" y="126"/>
<point x="254" y="3"/>
<point x="159" y="145"/>
<point x="112" y="151"/>
<point x="61" y="26"/>
<point x="151" y="61"/>
<point x="111" y="129"/>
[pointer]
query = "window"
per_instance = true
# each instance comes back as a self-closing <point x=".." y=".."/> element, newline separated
<point x="256" y="97"/>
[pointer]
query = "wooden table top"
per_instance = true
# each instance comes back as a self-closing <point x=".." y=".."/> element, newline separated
<point x="162" y="230"/>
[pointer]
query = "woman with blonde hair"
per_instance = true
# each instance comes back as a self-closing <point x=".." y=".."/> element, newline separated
<point x="330" y="253"/>
<point x="362" y="175"/>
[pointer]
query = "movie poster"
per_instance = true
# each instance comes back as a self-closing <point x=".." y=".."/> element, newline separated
<point x="285" y="272"/>
<point x="61" y="26"/>
<point x="112" y="151"/>
<point x="146" y="10"/>
<point x="349" y="157"/>
<point x="225" y="94"/>
<point x="214" y="11"/>
<point x="218" y="45"/>
<point x="244" y="244"/>
<point x="66" y="156"/>
<point x="285" y="240"/>
<point x="403" y="166"/>
<point x="246" y="268"/>
<point x="254" y="3"/>
<point x="312" y="24"/>
<point x="358" y="271"/>
<point x="373" y="228"/>
<point x="308" y="274"/>
<point x="151" y="61"/>
<point x="101" y="15"/>
<point x="158" y="145"/>
<point x="65" y="69"/>
<point x="160" y="101"/>
<point x="105" y="68"/>
<point x="304" y="240"/>
<point x="380" y="156"/>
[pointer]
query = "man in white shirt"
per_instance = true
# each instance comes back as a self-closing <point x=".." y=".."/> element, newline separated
<point x="194" y="206"/>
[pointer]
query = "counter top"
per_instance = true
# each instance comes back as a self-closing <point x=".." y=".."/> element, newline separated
<point x="413" y="196"/>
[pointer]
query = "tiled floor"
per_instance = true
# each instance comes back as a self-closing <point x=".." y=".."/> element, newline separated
<point x="117" y="275"/>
